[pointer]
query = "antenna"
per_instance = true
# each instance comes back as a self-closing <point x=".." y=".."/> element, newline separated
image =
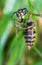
<point x="13" y="14"/>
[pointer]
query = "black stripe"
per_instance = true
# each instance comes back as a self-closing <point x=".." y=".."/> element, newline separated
<point x="28" y="41"/>
<point x="29" y="23"/>
<point x="26" y="37"/>
<point x="34" y="31"/>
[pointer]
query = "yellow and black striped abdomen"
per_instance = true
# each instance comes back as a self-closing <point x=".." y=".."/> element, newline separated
<point x="30" y="33"/>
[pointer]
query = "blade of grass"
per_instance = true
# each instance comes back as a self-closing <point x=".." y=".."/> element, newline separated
<point x="21" y="48"/>
<point x="3" y="40"/>
<point x="31" y="8"/>
<point x="38" y="63"/>
<point x="12" y="59"/>
<point x="37" y="50"/>
<point x="1" y="55"/>
<point x="6" y="33"/>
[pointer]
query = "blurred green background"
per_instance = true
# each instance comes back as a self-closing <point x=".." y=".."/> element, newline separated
<point x="13" y="51"/>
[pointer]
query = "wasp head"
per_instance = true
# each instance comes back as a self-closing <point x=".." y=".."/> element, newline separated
<point x="21" y="13"/>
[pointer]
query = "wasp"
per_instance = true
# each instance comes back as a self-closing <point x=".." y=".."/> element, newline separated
<point x="29" y="30"/>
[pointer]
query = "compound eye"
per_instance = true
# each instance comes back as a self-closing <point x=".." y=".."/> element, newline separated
<point x="25" y="11"/>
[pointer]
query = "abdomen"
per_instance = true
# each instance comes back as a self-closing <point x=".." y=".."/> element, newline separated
<point x="30" y="34"/>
